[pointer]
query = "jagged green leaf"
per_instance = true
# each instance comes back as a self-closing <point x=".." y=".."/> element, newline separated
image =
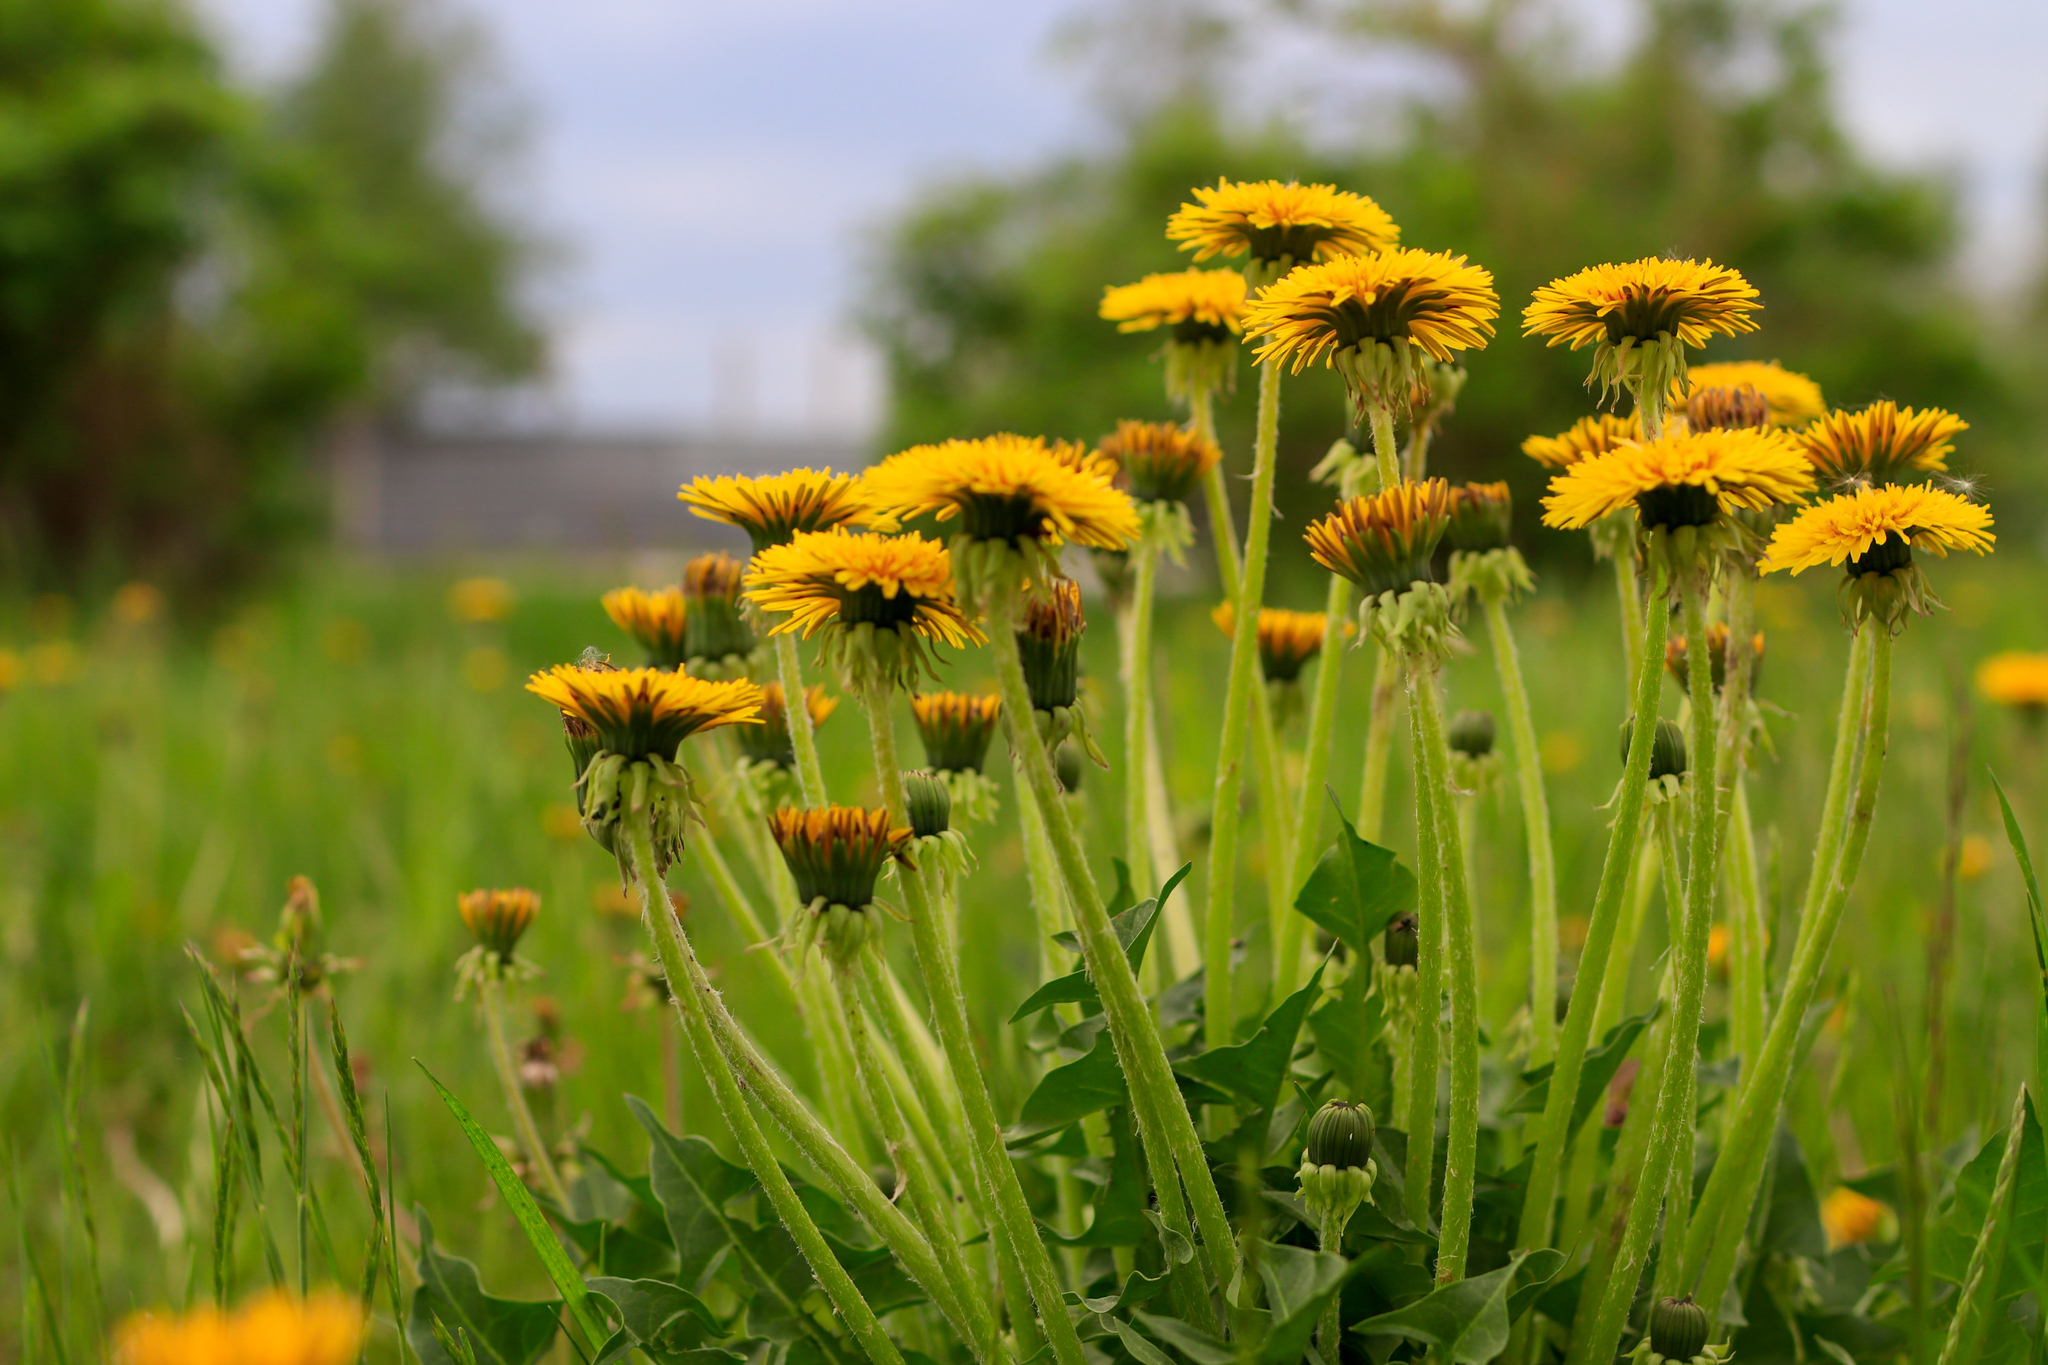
<point x="1134" y="928"/>
<point x="660" y="1317"/>
<point x="1595" y="1073"/>
<point x="1357" y="888"/>
<point x="1299" y="1282"/>
<point x="1120" y="1201"/>
<point x="1252" y="1071"/>
<point x="1081" y="1087"/>
<point x="451" y="1295"/>
<point x="1792" y="1225"/>
<point x="1467" y="1321"/>
<point x="693" y="1184"/>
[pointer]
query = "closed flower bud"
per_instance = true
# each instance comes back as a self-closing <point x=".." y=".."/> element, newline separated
<point x="1471" y="733"/>
<point x="1482" y="514"/>
<point x="1403" y="942"/>
<point x="497" y="918"/>
<point x="1678" y="1329"/>
<point x="956" y="728"/>
<point x="1340" y="1135"/>
<point x="928" y="802"/>
<point x="1050" y="644"/>
<point x="712" y="625"/>
<point x="1066" y="765"/>
<point x="1667" y="748"/>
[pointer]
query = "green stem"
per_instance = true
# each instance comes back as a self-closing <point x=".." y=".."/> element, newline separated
<point x="1979" y="1280"/>
<point x="1137" y="714"/>
<point x="933" y="1209"/>
<point x="1379" y="746"/>
<point x="493" y="999"/>
<point x="1528" y="761"/>
<point x="693" y="1002"/>
<point x="1166" y="1130"/>
<point x="1842" y="767"/>
<point x="1715" y="1234"/>
<point x="1426" y="1042"/>
<point x="1042" y="872"/>
<point x="1291" y="927"/>
<point x="1746" y="946"/>
<point x="810" y="774"/>
<point x="1237" y="702"/>
<point x="1628" y="591"/>
<point x="1182" y="940"/>
<point x="938" y="965"/>
<point x="1216" y="498"/>
<point x="1671" y="1132"/>
<point x="1615" y="870"/>
<point x="1460" y="941"/>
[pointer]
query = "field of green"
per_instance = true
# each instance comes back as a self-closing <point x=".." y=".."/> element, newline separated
<point x="159" y="787"/>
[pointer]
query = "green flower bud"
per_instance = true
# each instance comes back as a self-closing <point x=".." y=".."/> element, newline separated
<point x="1050" y="646"/>
<point x="1667" y="748"/>
<point x="1471" y="733"/>
<point x="1340" y="1134"/>
<point x="1403" y="942"/>
<point x="1066" y="764"/>
<point x="928" y="802"/>
<point x="1678" y="1329"/>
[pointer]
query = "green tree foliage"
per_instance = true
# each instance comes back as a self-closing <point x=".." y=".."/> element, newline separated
<point x="1713" y="135"/>
<point x="194" y="281"/>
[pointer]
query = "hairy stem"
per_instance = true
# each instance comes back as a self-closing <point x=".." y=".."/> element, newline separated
<point x="810" y="774"/>
<point x="1138" y="714"/>
<point x="1528" y="761"/>
<point x="492" y="996"/>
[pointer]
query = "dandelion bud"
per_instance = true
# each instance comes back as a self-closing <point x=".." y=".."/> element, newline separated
<point x="1471" y="733"/>
<point x="1384" y="543"/>
<point x="769" y="742"/>
<point x="1719" y="409"/>
<point x="956" y="728"/>
<point x="1337" y="1169"/>
<point x="1403" y="942"/>
<point x="498" y="917"/>
<point x="1050" y="643"/>
<point x="1678" y="1329"/>
<point x="1162" y="461"/>
<point x="1066" y="765"/>
<point x="1677" y="660"/>
<point x="835" y="856"/>
<point x="1667" y="748"/>
<point x="928" y="802"/>
<point x="1481" y="516"/>
<point x="712" y="625"/>
<point x="1341" y="1134"/>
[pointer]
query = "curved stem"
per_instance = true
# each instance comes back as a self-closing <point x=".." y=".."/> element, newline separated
<point x="1746" y="945"/>
<point x="1461" y="1149"/>
<point x="1715" y="1235"/>
<point x="1528" y="761"/>
<point x="1165" y="1128"/>
<point x="1183" y="940"/>
<point x="936" y="963"/>
<point x="492" y="996"/>
<point x="810" y="774"/>
<point x="1827" y="844"/>
<point x="1220" y="1008"/>
<point x="1379" y="746"/>
<point x="692" y="1004"/>
<point x="1615" y="869"/>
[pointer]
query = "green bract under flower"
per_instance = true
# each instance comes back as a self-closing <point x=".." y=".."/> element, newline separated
<point x="713" y="628"/>
<point x="1383" y="543"/>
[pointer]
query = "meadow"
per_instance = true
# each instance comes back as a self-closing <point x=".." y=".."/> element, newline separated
<point x="366" y="728"/>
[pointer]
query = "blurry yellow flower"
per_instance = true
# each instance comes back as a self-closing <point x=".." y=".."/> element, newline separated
<point x="276" y="1328"/>
<point x="1279" y="223"/>
<point x="1973" y="857"/>
<point x="2015" y="678"/>
<point x="1287" y="639"/>
<point x="497" y="917"/>
<point x="53" y="663"/>
<point x="561" y="820"/>
<point x="610" y="898"/>
<point x="345" y="640"/>
<point x="1717" y="946"/>
<point x="1200" y="305"/>
<point x="1850" y="1217"/>
<point x="1162" y="461"/>
<point x="234" y="647"/>
<point x="774" y="509"/>
<point x="1883" y="523"/>
<point x="642" y="711"/>
<point x="480" y="599"/>
<point x="654" y="620"/>
<point x="137" y="603"/>
<point x="1384" y="542"/>
<point x="1884" y="442"/>
<point x="1009" y="488"/>
<point x="1588" y="436"/>
<point x="10" y="670"/>
<point x="1794" y="400"/>
<point x="1562" y="751"/>
<point x="485" y="668"/>
<point x="1684" y="478"/>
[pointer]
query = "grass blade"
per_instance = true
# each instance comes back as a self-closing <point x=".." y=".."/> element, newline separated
<point x="520" y="1200"/>
<point x="2037" y="915"/>
<point x="1982" y="1277"/>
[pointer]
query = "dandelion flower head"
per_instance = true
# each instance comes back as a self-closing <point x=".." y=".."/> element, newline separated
<point x="1280" y="222"/>
<point x="1794" y="399"/>
<point x="1682" y="479"/>
<point x="774" y="508"/>
<point x="642" y="711"/>
<point x="1889" y="519"/>
<point x="902" y="583"/>
<point x="1884" y="442"/>
<point x="1009" y="488"/>
<point x="1589" y="436"/>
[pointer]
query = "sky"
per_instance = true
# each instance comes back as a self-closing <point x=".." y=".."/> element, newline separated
<point x="715" y="171"/>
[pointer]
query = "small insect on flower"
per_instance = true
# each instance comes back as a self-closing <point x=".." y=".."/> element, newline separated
<point x="1793" y="399"/>
<point x="276" y="1328"/>
<point x="835" y="856"/>
<point x="1384" y="542"/>
<point x="1883" y="443"/>
<point x="1589" y="436"/>
<point x="1280" y="224"/>
<point x="770" y="742"/>
<point x="1377" y="319"/>
<point x="1684" y="478"/>
<point x="1162" y="461"/>
<point x="713" y="629"/>
<point x="1874" y="530"/>
<point x="1287" y="639"/>
<point x="956" y="728"/>
<point x="880" y="599"/>
<point x="1201" y="312"/>
<point x="655" y="620"/>
<point x="2015" y="678"/>
<point x="774" y="509"/>
<point x="1640" y="316"/>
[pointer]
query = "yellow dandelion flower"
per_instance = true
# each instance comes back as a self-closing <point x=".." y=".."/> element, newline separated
<point x="1641" y="316"/>
<point x="893" y="591"/>
<point x="1376" y="319"/>
<point x="498" y="917"/>
<point x="1009" y="488"/>
<point x="1589" y="436"/>
<point x="480" y="600"/>
<point x="2015" y="678"/>
<point x="1287" y="639"/>
<point x="277" y="1328"/>
<point x="1280" y="223"/>
<point x="642" y="711"/>
<point x="956" y="728"/>
<point x="1793" y="398"/>
<point x="1849" y="1217"/>
<point x="1685" y="478"/>
<point x="1884" y="442"/>
<point x="1162" y="460"/>
<point x="1482" y="517"/>
<point x="777" y="507"/>
<point x="655" y="620"/>
<point x="1384" y="542"/>
<point x="836" y="853"/>
<point x="1875" y="529"/>
<point x="1199" y="305"/>
<point x="770" y="742"/>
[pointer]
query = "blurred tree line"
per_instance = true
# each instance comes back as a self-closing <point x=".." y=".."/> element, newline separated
<point x="1713" y="134"/>
<point x="198" y="280"/>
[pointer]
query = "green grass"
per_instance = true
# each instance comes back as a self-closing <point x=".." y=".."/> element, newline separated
<point x="157" y="788"/>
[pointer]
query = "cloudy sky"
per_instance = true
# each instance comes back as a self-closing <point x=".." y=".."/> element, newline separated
<point x="713" y="168"/>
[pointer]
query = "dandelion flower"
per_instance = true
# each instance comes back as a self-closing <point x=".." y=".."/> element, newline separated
<point x="1287" y="639"/>
<point x="1850" y="1217"/>
<point x="638" y="712"/>
<point x="883" y="598"/>
<point x="1376" y="318"/>
<point x="1009" y="488"/>
<point x="1678" y="658"/>
<point x="1162" y="460"/>
<point x="770" y="742"/>
<point x="1201" y="311"/>
<point x="1682" y="479"/>
<point x="1384" y="542"/>
<point x="2015" y="678"/>
<point x="1883" y="443"/>
<point x="1794" y="399"/>
<point x="1641" y="316"/>
<point x="713" y="626"/>
<point x="498" y="917"/>
<point x="1875" y="528"/>
<point x="1049" y="643"/>
<point x="655" y="620"/>
<point x="956" y="728"/>
<point x="774" y="509"/>
<point x="1281" y="224"/>
<point x="835" y="855"/>
<point x="1482" y="515"/>
<point x="1589" y="436"/>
